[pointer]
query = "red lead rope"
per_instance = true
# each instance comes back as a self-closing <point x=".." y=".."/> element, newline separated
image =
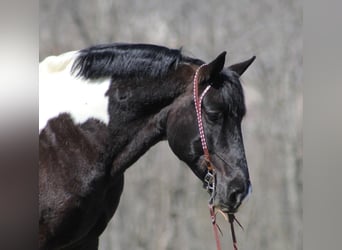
<point x="215" y="227"/>
<point x="198" y="106"/>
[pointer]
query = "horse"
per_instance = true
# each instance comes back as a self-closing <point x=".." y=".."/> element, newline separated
<point x="103" y="107"/>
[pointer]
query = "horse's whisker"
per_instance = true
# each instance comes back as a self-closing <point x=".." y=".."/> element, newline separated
<point x="223" y="214"/>
<point x="238" y="222"/>
<point x="218" y="227"/>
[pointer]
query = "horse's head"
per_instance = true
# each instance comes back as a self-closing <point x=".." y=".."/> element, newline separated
<point x="222" y="111"/>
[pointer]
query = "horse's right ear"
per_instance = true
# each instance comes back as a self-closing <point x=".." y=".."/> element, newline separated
<point x="241" y="67"/>
<point x="212" y="69"/>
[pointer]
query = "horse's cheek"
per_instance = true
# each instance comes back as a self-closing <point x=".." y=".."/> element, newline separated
<point x="178" y="133"/>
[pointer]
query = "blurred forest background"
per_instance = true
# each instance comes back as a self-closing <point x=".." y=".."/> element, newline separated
<point x="169" y="210"/>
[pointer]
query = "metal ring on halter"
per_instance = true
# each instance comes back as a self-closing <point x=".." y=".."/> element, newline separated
<point x="210" y="184"/>
<point x="209" y="179"/>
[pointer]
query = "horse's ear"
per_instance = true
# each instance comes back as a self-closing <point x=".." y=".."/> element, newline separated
<point x="241" y="67"/>
<point x="212" y="69"/>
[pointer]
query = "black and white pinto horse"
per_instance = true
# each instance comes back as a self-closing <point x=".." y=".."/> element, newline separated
<point x="103" y="107"/>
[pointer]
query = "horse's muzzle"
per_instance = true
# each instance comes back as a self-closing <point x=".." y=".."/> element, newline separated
<point x="229" y="197"/>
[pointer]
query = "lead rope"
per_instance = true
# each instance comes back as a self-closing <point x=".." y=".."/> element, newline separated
<point x="215" y="227"/>
<point x="210" y="176"/>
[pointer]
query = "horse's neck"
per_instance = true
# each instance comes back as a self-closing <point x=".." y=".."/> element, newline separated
<point x="131" y="141"/>
<point x="140" y="123"/>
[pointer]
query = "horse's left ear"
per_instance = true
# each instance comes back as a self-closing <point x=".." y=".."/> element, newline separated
<point x="241" y="67"/>
<point x="212" y="69"/>
<point x="216" y="66"/>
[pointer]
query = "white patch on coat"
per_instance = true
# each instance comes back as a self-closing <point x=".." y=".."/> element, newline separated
<point x="62" y="92"/>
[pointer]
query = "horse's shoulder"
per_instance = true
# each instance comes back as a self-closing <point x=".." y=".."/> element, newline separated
<point x="69" y="153"/>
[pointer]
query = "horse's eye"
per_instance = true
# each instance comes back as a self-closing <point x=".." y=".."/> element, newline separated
<point x="214" y="116"/>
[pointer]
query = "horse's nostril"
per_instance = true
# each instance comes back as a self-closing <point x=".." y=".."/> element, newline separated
<point x="235" y="197"/>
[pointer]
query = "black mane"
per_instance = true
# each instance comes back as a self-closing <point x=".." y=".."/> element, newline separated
<point x="121" y="60"/>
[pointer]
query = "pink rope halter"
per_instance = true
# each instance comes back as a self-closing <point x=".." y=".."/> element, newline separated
<point x="210" y="176"/>
<point x="198" y="106"/>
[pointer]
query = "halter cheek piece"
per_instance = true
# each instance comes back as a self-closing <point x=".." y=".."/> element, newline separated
<point x="210" y="177"/>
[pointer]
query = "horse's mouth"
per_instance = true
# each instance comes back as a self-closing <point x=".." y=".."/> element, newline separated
<point x="227" y="209"/>
<point x="231" y="206"/>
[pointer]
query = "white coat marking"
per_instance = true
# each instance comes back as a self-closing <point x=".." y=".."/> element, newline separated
<point x="62" y="92"/>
